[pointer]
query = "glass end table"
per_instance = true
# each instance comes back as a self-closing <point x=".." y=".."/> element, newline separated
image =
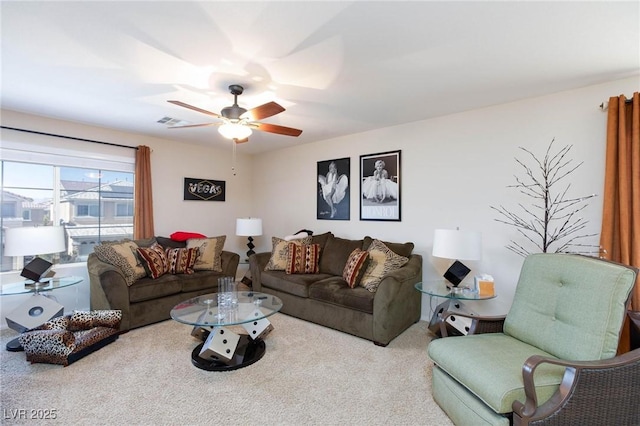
<point x="37" y="310"/>
<point x="211" y="314"/>
<point x="454" y="297"/>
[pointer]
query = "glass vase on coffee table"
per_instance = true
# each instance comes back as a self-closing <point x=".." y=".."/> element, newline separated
<point x="213" y="317"/>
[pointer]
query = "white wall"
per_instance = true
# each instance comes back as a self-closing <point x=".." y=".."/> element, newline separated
<point x="453" y="169"/>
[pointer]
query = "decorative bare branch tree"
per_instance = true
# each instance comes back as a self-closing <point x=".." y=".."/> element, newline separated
<point x="553" y="217"/>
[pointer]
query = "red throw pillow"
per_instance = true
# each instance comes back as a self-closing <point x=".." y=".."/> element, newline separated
<point x="184" y="236"/>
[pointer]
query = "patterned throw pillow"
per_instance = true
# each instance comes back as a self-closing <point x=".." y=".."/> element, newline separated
<point x="280" y="252"/>
<point x="122" y="255"/>
<point x="181" y="260"/>
<point x="209" y="253"/>
<point x="382" y="261"/>
<point x="154" y="260"/>
<point x="355" y="267"/>
<point x="302" y="258"/>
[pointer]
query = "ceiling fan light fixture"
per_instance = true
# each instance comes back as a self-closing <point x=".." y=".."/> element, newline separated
<point x="234" y="131"/>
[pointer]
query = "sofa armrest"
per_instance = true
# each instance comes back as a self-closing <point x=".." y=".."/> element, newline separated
<point x="397" y="303"/>
<point x="230" y="262"/>
<point x="257" y="263"/>
<point x="109" y="288"/>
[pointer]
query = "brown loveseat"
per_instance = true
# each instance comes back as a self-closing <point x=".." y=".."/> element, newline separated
<point x="148" y="300"/>
<point x="325" y="297"/>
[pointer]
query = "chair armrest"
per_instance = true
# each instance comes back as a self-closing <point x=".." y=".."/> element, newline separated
<point x="610" y="382"/>
<point x="480" y="324"/>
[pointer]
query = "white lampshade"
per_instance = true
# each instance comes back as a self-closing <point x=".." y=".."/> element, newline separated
<point x="456" y="244"/>
<point x="248" y="227"/>
<point x="234" y="131"/>
<point x="33" y="240"/>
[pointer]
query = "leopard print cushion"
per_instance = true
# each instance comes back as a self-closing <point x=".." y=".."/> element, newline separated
<point x="50" y="346"/>
<point x="58" y="323"/>
<point x="84" y="320"/>
<point x="123" y="255"/>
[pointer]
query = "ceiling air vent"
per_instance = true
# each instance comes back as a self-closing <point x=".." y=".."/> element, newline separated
<point x="169" y="121"/>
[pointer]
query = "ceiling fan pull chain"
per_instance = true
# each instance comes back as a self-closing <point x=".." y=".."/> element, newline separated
<point x="233" y="157"/>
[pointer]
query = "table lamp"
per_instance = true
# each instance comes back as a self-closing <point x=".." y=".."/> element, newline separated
<point x="249" y="227"/>
<point x="32" y="241"/>
<point x="458" y="245"/>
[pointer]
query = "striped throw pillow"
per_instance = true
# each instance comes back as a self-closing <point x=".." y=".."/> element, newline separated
<point x="302" y="258"/>
<point x="355" y="267"/>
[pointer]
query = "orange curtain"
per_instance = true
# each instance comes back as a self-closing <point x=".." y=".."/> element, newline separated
<point x="143" y="197"/>
<point x="620" y="235"/>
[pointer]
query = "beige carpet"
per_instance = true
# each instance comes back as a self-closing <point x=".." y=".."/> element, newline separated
<point x="310" y="375"/>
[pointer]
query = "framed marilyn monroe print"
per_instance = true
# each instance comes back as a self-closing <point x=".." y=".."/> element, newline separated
<point x="380" y="197"/>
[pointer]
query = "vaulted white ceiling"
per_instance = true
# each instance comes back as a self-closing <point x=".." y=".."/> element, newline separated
<point x="338" y="67"/>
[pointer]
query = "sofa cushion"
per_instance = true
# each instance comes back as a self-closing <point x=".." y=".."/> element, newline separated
<point x="200" y="280"/>
<point x="123" y="255"/>
<point x="382" y="261"/>
<point x="321" y="239"/>
<point x="402" y="249"/>
<point x="280" y="252"/>
<point x="148" y="288"/>
<point x="355" y="267"/>
<point x="169" y="243"/>
<point x="295" y="284"/>
<point x="335" y="254"/>
<point x="181" y="260"/>
<point x="302" y="258"/>
<point x="209" y="250"/>
<point x="336" y="291"/>
<point x="154" y="260"/>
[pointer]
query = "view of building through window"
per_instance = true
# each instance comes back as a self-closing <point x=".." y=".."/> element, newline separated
<point x="92" y="206"/>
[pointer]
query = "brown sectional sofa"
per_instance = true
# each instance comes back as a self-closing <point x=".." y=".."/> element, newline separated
<point x="325" y="298"/>
<point x="149" y="300"/>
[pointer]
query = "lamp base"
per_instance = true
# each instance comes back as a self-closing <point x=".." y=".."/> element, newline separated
<point x="251" y="247"/>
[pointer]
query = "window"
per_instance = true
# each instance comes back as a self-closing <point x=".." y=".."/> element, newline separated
<point x="92" y="204"/>
<point x="124" y="209"/>
<point x="8" y="209"/>
<point x="92" y="210"/>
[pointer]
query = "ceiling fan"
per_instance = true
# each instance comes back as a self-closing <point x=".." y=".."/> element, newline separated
<point x="237" y="122"/>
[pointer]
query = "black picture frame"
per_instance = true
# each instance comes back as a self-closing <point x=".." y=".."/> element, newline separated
<point x="333" y="193"/>
<point x="204" y="189"/>
<point x="380" y="195"/>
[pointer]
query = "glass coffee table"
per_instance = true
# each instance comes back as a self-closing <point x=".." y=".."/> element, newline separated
<point x="454" y="297"/>
<point x="213" y="314"/>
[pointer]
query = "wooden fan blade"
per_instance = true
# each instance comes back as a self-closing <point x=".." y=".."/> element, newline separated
<point x="274" y="128"/>
<point x="204" y="111"/>
<point x="263" y="111"/>
<point x="192" y="125"/>
<point x="241" y="140"/>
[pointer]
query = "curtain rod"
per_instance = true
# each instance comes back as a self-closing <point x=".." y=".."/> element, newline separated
<point x="68" y="137"/>
<point x="604" y="105"/>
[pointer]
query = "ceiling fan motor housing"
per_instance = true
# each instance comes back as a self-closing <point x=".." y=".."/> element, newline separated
<point x="232" y="112"/>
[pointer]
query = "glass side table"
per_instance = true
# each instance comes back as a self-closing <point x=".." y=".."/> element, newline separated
<point x="454" y="297"/>
<point x="36" y="310"/>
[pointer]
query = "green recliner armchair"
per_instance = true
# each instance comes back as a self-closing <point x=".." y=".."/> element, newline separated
<point x="552" y="360"/>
